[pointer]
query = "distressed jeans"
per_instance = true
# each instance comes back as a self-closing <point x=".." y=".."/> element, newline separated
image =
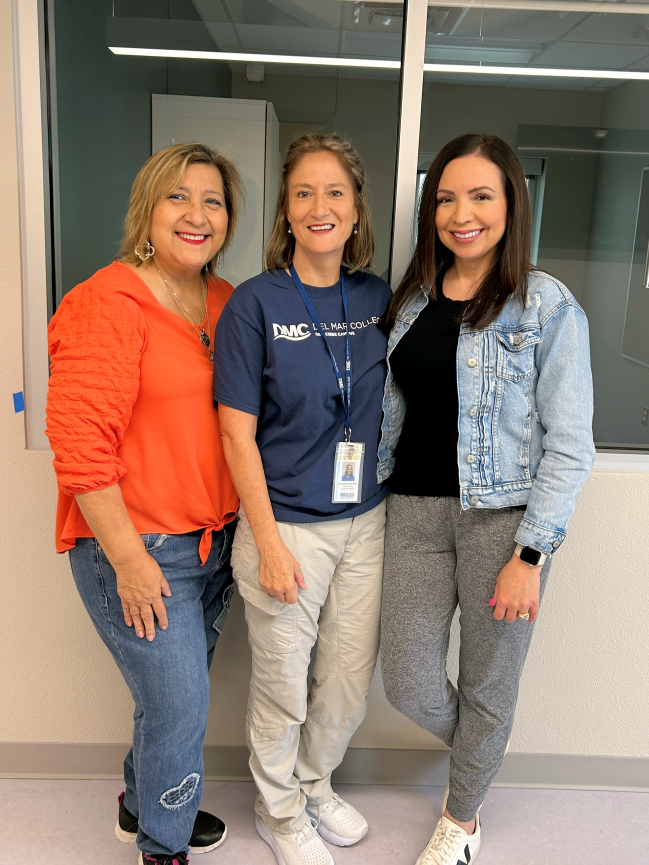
<point x="168" y="677"/>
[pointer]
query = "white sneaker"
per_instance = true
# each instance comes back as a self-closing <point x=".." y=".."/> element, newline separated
<point x="303" y="847"/>
<point x="338" y="822"/>
<point x="450" y="845"/>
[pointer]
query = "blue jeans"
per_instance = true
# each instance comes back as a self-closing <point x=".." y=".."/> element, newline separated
<point x="168" y="677"/>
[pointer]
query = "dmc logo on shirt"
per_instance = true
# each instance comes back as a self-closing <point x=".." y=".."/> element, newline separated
<point x="294" y="332"/>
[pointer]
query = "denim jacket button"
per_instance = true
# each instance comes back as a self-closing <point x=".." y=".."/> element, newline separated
<point x="473" y="412"/>
<point x="474" y="500"/>
<point x="472" y="361"/>
<point x="470" y="458"/>
<point x="518" y="340"/>
<point x="556" y="544"/>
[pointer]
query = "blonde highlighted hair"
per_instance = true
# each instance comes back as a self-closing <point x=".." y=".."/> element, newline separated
<point x="163" y="172"/>
<point x="359" y="248"/>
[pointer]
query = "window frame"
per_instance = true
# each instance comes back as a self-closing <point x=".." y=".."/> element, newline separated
<point x="35" y="95"/>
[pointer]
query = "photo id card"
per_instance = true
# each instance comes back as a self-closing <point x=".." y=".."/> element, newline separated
<point x="348" y="472"/>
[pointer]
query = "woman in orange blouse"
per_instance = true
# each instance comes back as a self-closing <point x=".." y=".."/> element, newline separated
<point x="146" y="505"/>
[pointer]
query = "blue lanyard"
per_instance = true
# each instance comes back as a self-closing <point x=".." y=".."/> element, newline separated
<point x="344" y="387"/>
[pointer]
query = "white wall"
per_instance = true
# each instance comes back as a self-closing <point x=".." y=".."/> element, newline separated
<point x="585" y="688"/>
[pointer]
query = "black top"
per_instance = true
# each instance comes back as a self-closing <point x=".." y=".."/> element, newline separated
<point x="424" y="365"/>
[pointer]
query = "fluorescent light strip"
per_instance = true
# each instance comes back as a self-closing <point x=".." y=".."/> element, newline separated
<point x="257" y="58"/>
<point x="587" y="150"/>
<point x="537" y="71"/>
<point x="361" y="63"/>
<point x="581" y="6"/>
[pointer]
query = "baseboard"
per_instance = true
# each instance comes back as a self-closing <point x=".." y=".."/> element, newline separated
<point x="360" y="766"/>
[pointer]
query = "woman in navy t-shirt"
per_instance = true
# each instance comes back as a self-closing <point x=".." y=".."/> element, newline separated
<point x="299" y="372"/>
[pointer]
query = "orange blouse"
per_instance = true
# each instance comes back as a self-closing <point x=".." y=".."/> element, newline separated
<point x="130" y="402"/>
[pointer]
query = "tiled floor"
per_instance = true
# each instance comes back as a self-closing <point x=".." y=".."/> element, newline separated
<point x="71" y="823"/>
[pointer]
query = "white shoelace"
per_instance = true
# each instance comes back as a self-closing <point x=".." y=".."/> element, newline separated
<point x="333" y="804"/>
<point x="442" y="845"/>
<point x="305" y="834"/>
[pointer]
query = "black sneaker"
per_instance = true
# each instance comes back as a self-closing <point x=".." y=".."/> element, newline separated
<point x="155" y="859"/>
<point x="208" y="834"/>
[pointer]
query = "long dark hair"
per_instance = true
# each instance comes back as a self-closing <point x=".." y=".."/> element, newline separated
<point x="507" y="276"/>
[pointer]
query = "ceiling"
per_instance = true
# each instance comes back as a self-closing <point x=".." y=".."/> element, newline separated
<point x="569" y="36"/>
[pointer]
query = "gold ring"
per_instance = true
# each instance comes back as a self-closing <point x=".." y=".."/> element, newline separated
<point x="523" y="616"/>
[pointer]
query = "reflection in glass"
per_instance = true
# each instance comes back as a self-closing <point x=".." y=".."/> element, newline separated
<point x="589" y="140"/>
<point x="112" y="109"/>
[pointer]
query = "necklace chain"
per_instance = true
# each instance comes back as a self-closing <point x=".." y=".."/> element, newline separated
<point x="198" y="329"/>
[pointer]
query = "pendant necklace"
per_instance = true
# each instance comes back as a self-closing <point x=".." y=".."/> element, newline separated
<point x="198" y="329"/>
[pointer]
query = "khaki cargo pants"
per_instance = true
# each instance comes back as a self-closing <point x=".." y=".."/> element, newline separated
<point x="298" y="737"/>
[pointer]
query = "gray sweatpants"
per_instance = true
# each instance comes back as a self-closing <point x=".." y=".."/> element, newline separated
<point x="436" y="557"/>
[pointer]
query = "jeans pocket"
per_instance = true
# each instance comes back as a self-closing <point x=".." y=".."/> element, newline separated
<point x="228" y="536"/>
<point x="153" y="543"/>
<point x="218" y="623"/>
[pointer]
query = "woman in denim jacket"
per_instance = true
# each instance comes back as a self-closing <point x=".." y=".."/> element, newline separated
<point x="487" y="441"/>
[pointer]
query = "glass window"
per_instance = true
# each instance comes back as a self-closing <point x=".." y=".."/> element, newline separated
<point x="581" y="131"/>
<point x="114" y="104"/>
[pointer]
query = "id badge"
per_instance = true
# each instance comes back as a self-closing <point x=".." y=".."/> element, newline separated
<point x="348" y="473"/>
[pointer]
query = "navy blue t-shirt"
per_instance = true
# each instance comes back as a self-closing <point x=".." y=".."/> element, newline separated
<point x="270" y="361"/>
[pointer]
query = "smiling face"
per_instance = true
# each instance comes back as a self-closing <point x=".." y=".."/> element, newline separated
<point x="471" y="214"/>
<point x="188" y="226"/>
<point x="321" y="206"/>
<point x="349" y="471"/>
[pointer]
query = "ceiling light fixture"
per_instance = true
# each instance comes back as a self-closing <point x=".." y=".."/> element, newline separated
<point x="173" y="54"/>
<point x="538" y="71"/>
<point x="363" y="63"/>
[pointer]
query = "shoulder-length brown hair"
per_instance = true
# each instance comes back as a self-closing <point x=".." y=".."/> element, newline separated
<point x="163" y="172"/>
<point x="508" y="274"/>
<point x="359" y="249"/>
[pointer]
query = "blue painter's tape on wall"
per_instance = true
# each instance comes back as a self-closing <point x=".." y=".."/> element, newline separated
<point x="19" y="401"/>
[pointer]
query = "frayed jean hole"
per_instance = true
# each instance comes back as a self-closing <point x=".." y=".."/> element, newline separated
<point x="178" y="796"/>
<point x="227" y="600"/>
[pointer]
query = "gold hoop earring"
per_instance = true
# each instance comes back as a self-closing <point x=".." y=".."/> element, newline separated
<point x="149" y="252"/>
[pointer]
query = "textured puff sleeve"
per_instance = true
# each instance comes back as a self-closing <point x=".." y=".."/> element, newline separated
<point x="96" y="340"/>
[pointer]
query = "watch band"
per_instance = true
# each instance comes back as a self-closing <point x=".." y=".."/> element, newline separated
<point x="529" y="553"/>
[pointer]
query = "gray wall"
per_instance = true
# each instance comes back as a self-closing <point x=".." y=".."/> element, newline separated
<point x="621" y="386"/>
<point x="449" y="110"/>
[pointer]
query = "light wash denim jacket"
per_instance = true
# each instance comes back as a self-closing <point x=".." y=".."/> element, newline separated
<point x="525" y="409"/>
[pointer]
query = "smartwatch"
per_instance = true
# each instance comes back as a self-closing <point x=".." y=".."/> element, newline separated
<point x="530" y="555"/>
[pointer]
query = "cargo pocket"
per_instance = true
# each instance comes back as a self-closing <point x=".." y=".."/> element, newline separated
<point x="272" y="625"/>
